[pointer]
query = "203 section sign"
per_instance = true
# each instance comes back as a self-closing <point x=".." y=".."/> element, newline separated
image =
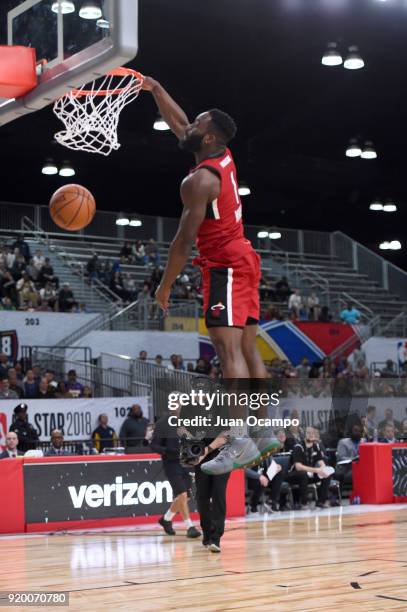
<point x="77" y="418"/>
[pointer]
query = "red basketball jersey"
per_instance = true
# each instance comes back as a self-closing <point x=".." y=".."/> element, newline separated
<point x="221" y="236"/>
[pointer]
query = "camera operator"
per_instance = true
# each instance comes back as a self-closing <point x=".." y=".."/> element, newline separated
<point x="166" y="443"/>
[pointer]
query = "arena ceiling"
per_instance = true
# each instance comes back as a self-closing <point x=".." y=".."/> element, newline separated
<point x="260" y="60"/>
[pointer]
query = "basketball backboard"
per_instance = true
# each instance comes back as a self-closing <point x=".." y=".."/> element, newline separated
<point x="79" y="40"/>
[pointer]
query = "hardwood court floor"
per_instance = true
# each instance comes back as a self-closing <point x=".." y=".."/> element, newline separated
<point x="332" y="560"/>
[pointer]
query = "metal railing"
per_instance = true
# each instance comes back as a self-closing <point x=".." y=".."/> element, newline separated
<point x="395" y="327"/>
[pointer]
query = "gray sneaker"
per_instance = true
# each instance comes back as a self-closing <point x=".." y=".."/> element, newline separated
<point x="238" y="453"/>
<point x="266" y="443"/>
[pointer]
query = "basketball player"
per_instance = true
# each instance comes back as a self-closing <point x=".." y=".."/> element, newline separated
<point x="212" y="217"/>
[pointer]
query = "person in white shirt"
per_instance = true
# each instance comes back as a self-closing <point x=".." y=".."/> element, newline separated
<point x="313" y="307"/>
<point x="295" y="303"/>
<point x="38" y="260"/>
<point x="11" y="451"/>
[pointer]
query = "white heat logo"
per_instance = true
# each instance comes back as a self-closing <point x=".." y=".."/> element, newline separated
<point x="119" y="494"/>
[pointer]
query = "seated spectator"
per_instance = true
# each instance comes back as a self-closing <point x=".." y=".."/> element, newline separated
<point x="45" y="391"/>
<point x="294" y="435"/>
<point x="26" y="433"/>
<point x="3" y="365"/>
<point x="358" y="354"/>
<point x="295" y="303"/>
<point x="389" y="370"/>
<point x="388" y="420"/>
<point x="32" y="271"/>
<point x="57" y="444"/>
<point x="190" y="367"/>
<point x="87" y="392"/>
<point x="282" y="289"/>
<point x="104" y="436"/>
<point x="313" y="307"/>
<point x="325" y="316"/>
<point x="273" y="314"/>
<point x="50" y="376"/>
<point x="66" y="299"/>
<point x="348" y="449"/>
<point x="62" y="392"/>
<point x="361" y="370"/>
<point x="38" y="260"/>
<point x="116" y="285"/>
<point x="304" y="368"/>
<point x="106" y="273"/>
<point x="18" y="267"/>
<point x="23" y="247"/>
<point x="30" y="385"/>
<point x="142" y="355"/>
<point x="46" y="274"/>
<point x="72" y="385"/>
<point x="350" y="315"/>
<point x="130" y="286"/>
<point x="307" y="466"/>
<point x="258" y="481"/>
<point x="202" y="366"/>
<point x="282" y="438"/>
<point x="402" y="435"/>
<point x="158" y="360"/>
<point x="7" y="304"/>
<point x="15" y="384"/>
<point x="11" y="451"/>
<point x="8" y="288"/>
<point x="6" y="392"/>
<point x="139" y="253"/>
<point x="175" y="362"/>
<point x="153" y="255"/>
<point x="389" y="434"/>
<point x="266" y="289"/>
<point x="49" y="295"/>
<point x="93" y="267"/>
<point x="26" y="291"/>
<point x="126" y="253"/>
<point x="134" y="428"/>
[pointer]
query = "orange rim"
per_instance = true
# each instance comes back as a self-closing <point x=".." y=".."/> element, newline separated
<point x="120" y="72"/>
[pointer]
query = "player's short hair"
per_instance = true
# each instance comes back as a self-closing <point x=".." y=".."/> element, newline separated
<point x="224" y="124"/>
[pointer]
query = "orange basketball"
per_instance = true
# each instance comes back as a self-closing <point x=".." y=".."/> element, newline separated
<point x="72" y="207"/>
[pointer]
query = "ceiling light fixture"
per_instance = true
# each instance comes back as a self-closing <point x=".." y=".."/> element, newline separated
<point x="395" y="245"/>
<point x="332" y="57"/>
<point x="376" y="205"/>
<point x="135" y="223"/>
<point x="67" y="170"/>
<point x="122" y="220"/>
<point x="389" y="207"/>
<point x="65" y="6"/>
<point x="244" y="189"/>
<point x="90" y="10"/>
<point x="384" y="246"/>
<point x="353" y="60"/>
<point x="353" y="149"/>
<point x="103" y="23"/>
<point x="262" y="234"/>
<point x="275" y="235"/>
<point x="49" y="168"/>
<point x="368" y="151"/>
<point x="160" y="125"/>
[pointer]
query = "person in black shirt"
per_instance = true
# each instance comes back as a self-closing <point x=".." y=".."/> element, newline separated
<point x="27" y="435"/>
<point x="166" y="443"/>
<point x="133" y="431"/>
<point x="307" y="465"/>
<point x="104" y="436"/>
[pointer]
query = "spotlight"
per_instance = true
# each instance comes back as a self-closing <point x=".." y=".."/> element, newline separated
<point x="376" y="205"/>
<point x="275" y="235"/>
<point x="389" y="207"/>
<point x="103" y="23"/>
<point x="160" y="125"/>
<point x="67" y="170"/>
<point x="244" y="189"/>
<point x="90" y="10"/>
<point x="262" y="234"/>
<point x="395" y="245"/>
<point x="49" y="168"/>
<point x="332" y="57"/>
<point x="368" y="151"/>
<point x="353" y="149"/>
<point x="122" y="220"/>
<point x="135" y="223"/>
<point x="353" y="60"/>
<point x="65" y="6"/>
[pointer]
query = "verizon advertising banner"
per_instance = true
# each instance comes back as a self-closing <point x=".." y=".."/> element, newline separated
<point x="76" y="491"/>
<point x="77" y="418"/>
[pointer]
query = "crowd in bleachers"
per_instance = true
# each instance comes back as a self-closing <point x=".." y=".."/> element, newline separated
<point x="28" y="282"/>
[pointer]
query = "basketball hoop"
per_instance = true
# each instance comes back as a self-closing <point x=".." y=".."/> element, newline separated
<point x="91" y="116"/>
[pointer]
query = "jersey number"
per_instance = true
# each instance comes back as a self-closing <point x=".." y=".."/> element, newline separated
<point x="238" y="211"/>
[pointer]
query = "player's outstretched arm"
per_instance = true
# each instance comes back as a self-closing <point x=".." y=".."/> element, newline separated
<point x="196" y="191"/>
<point x="170" y="111"/>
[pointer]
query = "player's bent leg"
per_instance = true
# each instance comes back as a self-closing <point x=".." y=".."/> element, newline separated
<point x="255" y="364"/>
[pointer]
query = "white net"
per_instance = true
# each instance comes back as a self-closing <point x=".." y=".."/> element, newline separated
<point x="91" y="116"/>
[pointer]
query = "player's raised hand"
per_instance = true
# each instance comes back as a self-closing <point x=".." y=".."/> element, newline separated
<point x="149" y="83"/>
<point x="162" y="297"/>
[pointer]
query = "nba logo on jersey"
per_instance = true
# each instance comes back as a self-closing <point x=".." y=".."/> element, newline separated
<point x="402" y="353"/>
<point x="3" y="430"/>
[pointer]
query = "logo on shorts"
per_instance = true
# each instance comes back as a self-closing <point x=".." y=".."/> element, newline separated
<point x="217" y="308"/>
